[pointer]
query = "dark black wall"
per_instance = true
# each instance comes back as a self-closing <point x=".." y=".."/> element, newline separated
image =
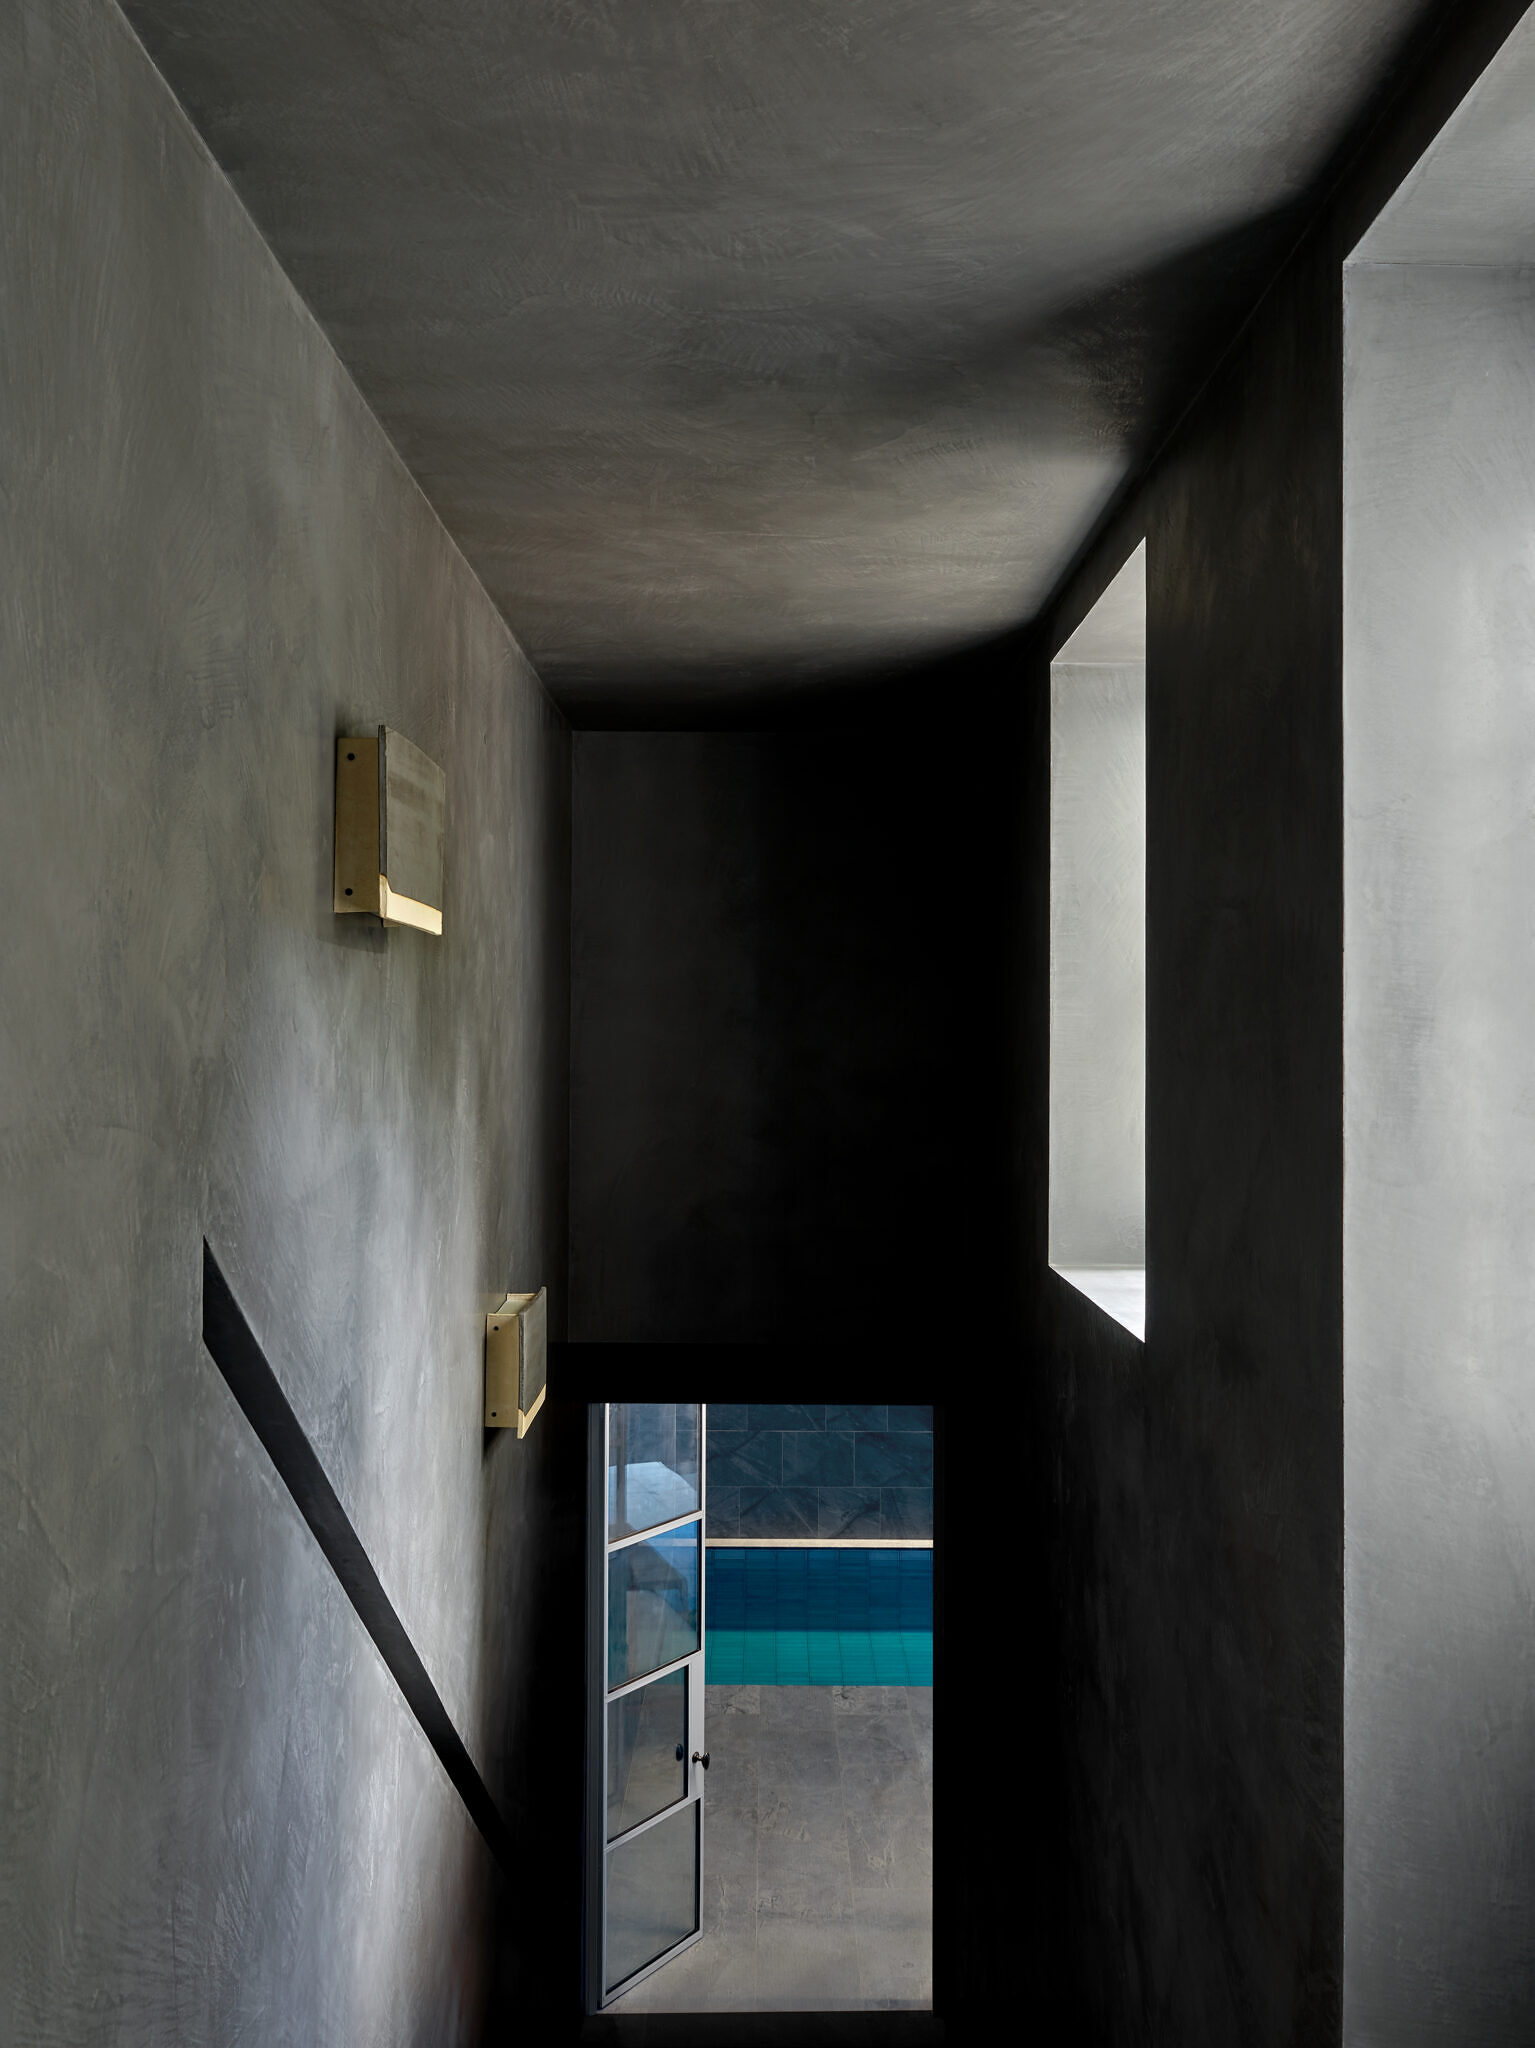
<point x="782" y="1118"/>
<point x="1197" y="1493"/>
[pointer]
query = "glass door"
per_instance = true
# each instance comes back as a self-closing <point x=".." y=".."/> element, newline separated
<point x="646" y="1752"/>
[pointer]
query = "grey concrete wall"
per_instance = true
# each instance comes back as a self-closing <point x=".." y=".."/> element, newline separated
<point x="1097" y="964"/>
<point x="217" y="1821"/>
<point x="1439" y="1289"/>
<point x="1194" y="1488"/>
<point x="1194" y="1495"/>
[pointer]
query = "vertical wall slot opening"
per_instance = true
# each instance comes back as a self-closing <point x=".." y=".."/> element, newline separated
<point x="1097" y="1225"/>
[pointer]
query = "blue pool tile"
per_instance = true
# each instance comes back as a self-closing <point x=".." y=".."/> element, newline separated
<point x="825" y="1657"/>
<point x="726" y="1415"/>
<point x="889" y="1658"/>
<point x="818" y="1617"/>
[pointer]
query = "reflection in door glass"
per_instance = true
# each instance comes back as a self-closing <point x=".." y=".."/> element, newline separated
<point x="653" y="1603"/>
<point x="652" y="1893"/>
<point x="652" y="1464"/>
<point x="647" y="1751"/>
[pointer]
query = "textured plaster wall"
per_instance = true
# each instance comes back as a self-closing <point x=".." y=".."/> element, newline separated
<point x="1194" y="1495"/>
<point x="217" y="1820"/>
<point x="1195" y="1498"/>
<point x="1439" y="1298"/>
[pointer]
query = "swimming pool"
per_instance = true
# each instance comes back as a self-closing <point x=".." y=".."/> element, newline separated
<point x="841" y="1616"/>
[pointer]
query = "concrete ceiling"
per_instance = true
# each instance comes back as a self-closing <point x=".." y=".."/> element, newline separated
<point x="747" y="344"/>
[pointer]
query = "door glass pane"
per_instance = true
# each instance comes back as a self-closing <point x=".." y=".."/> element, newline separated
<point x="652" y="1893"/>
<point x="652" y="1464"/>
<point x="653" y="1603"/>
<point x="647" y="1751"/>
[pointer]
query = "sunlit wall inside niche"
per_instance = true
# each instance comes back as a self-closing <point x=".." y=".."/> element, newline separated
<point x="1098" y="952"/>
<point x="1439" y="1092"/>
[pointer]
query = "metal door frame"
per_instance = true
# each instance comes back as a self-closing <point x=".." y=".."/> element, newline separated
<point x="598" y="1847"/>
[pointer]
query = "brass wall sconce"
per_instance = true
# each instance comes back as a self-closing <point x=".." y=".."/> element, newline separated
<point x="391" y="804"/>
<point x="516" y="1361"/>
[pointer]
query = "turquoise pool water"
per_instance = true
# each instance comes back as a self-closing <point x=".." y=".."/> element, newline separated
<point x="818" y="1617"/>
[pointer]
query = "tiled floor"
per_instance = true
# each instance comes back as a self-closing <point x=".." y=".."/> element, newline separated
<point x="818" y="1856"/>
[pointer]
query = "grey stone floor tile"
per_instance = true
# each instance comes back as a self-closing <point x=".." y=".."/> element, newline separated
<point x="879" y="1738"/>
<point x="925" y="1762"/>
<point x="801" y="1767"/>
<point x="736" y="1735"/>
<point x="730" y="1850"/>
<point x="790" y="1872"/>
<point x="730" y="1908"/>
<point x="790" y="1815"/>
<point x="730" y="1814"/>
<point x="867" y="1699"/>
<point x="879" y="1782"/>
<point x="919" y="1704"/>
<point x="732" y="1766"/>
<point x="733" y="1700"/>
<point x="775" y="1728"/>
<point x="802" y="1964"/>
<point x="892" y="1852"/>
<point x="729" y="1750"/>
<point x="894" y="1938"/>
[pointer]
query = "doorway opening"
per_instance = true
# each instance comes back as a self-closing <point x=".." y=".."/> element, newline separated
<point x="814" y="1812"/>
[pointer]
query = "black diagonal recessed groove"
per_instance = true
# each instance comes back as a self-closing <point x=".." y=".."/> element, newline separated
<point x="234" y="1350"/>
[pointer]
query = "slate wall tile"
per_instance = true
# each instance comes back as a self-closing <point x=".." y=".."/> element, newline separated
<point x="723" y="1514"/>
<point x="849" y="1511"/>
<point x="817" y="1458"/>
<point x="746" y="1458"/>
<point x="906" y="1511"/>
<point x="864" y="1417"/>
<point x="782" y="1511"/>
<point x="910" y="1418"/>
<point x="891" y="1458"/>
<point x="786" y="1415"/>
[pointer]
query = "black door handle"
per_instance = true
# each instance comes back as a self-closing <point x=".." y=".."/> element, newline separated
<point x="701" y="1756"/>
<point x="679" y="1752"/>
